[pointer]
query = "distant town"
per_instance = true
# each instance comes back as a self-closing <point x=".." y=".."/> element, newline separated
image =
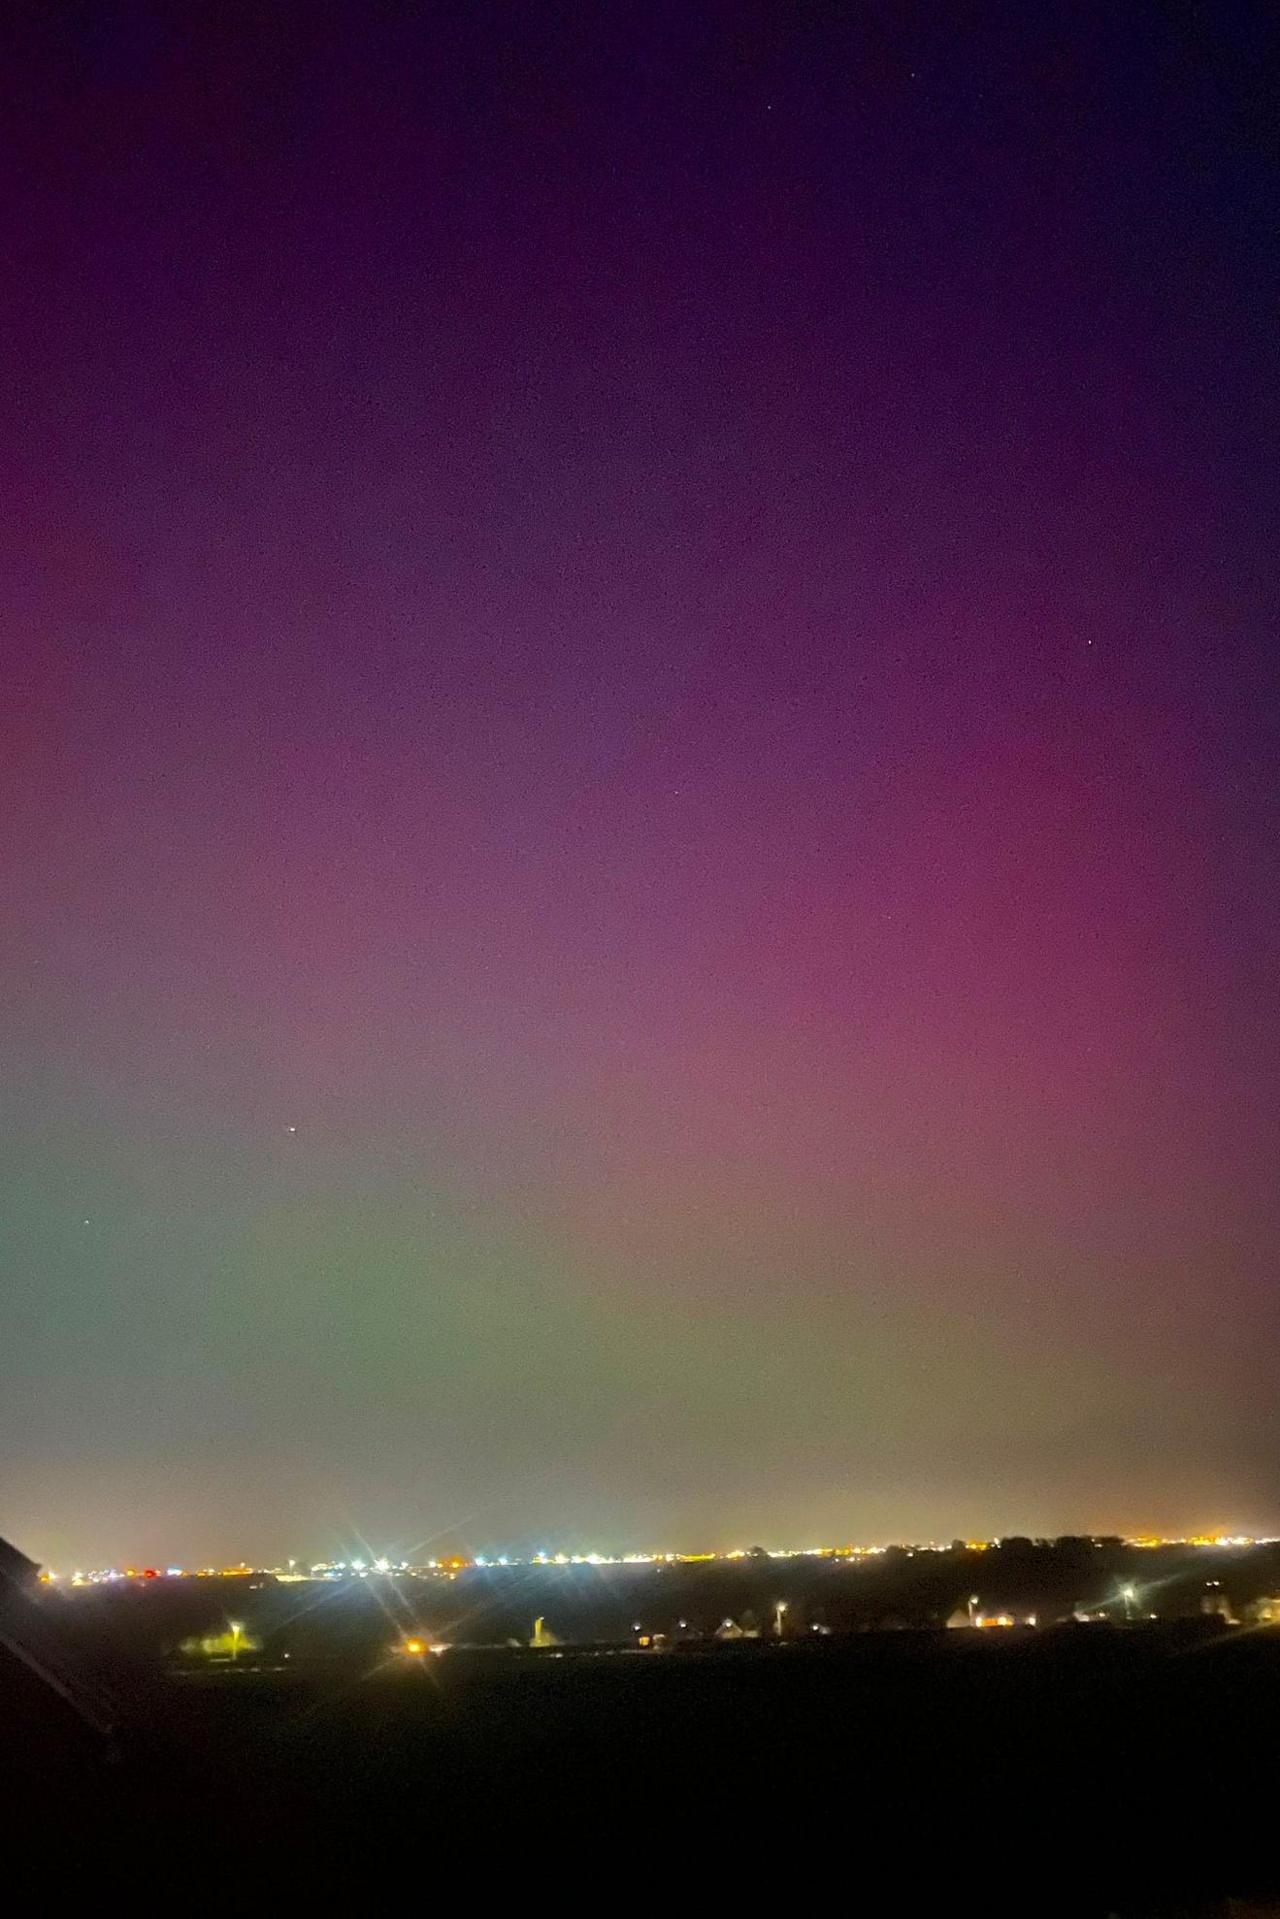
<point x="365" y="1567"/>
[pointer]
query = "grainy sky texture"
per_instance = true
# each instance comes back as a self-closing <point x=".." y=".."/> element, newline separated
<point x="639" y="772"/>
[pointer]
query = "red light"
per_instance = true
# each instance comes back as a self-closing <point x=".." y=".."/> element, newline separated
<point x="149" y="1572"/>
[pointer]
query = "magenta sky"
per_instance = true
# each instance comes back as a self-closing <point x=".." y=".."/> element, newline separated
<point x="658" y="634"/>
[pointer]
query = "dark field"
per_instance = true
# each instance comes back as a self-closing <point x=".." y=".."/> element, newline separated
<point x="1127" y="1765"/>
<point x="1078" y="1770"/>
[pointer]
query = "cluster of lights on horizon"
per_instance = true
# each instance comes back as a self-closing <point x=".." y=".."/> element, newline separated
<point x="450" y="1567"/>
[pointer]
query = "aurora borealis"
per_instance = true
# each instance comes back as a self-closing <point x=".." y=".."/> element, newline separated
<point x="640" y="896"/>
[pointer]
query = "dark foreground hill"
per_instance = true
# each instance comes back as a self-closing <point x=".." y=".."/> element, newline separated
<point x="1076" y="1771"/>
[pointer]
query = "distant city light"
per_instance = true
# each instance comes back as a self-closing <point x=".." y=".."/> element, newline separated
<point x="850" y="1555"/>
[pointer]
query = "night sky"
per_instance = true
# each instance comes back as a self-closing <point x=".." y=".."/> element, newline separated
<point x="640" y="898"/>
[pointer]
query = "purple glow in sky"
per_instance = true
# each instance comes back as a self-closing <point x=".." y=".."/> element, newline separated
<point x="639" y="837"/>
